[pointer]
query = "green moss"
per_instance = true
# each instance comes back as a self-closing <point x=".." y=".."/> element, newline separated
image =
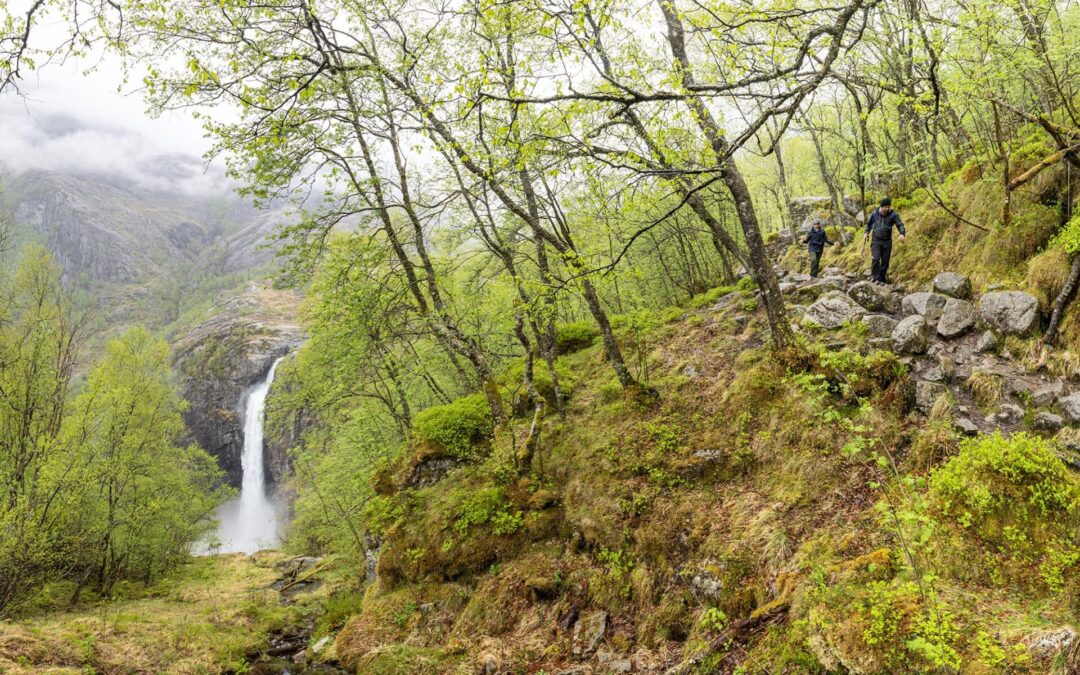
<point x="456" y="427"/>
<point x="573" y="337"/>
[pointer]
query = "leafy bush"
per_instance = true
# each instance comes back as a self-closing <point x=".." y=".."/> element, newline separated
<point x="1018" y="500"/>
<point x="488" y="506"/>
<point x="455" y="427"/>
<point x="709" y="297"/>
<point x="573" y="337"/>
<point x="513" y="377"/>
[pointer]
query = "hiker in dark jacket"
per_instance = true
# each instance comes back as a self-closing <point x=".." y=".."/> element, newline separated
<point x="815" y="241"/>
<point x="879" y="229"/>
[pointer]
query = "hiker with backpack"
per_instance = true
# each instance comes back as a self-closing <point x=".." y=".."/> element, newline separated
<point x="815" y="241"/>
<point x="879" y="229"/>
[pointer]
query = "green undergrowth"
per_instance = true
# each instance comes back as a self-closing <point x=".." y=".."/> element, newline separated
<point x="209" y="616"/>
<point x="797" y="489"/>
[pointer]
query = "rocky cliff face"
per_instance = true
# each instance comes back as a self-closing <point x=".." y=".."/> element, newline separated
<point x="107" y="230"/>
<point x="224" y="356"/>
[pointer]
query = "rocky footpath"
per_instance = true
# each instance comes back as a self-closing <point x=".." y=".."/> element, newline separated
<point x="223" y="356"/>
<point x="953" y="342"/>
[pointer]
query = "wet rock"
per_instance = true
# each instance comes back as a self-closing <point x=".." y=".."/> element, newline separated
<point x="589" y="631"/>
<point x="953" y="285"/>
<point x="1070" y="408"/>
<point x="834" y="309"/>
<point x="911" y="336"/>
<point x="1011" y="312"/>
<point x="928" y="305"/>
<point x="926" y="393"/>
<point x="1047" y="421"/>
<point x="879" y="325"/>
<point x="957" y="318"/>
<point x="1047" y="395"/>
<point x="987" y="342"/>
<point x="869" y="295"/>
<point x="965" y="426"/>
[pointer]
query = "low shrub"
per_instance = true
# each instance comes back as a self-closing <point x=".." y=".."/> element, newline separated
<point x="1013" y="502"/>
<point x="456" y="427"/>
<point x="573" y="337"/>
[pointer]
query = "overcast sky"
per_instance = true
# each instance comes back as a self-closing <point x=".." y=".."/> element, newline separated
<point x="67" y="120"/>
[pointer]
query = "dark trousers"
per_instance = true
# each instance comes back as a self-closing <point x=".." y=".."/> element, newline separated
<point x="880" y="251"/>
<point x="815" y="262"/>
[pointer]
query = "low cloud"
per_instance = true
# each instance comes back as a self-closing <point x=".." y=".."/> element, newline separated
<point x="77" y="123"/>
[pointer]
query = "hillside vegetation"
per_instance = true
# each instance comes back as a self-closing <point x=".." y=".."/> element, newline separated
<point x="568" y="403"/>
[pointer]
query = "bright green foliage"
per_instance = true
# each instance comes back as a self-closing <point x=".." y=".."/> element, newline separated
<point x="455" y="427"/>
<point x="573" y="337"/>
<point x="488" y="506"/>
<point x="95" y="489"/>
<point x="136" y="497"/>
<point x="1015" y="499"/>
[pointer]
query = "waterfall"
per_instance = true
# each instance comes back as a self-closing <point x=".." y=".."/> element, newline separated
<point x="248" y="523"/>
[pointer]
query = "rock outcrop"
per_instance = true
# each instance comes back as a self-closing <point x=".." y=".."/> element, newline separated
<point x="221" y="358"/>
<point x="1011" y="312"/>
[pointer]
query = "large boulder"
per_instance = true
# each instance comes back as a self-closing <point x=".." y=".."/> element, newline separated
<point x="911" y="336"/>
<point x="1011" y="312"/>
<point x="928" y="305"/>
<point x="1070" y="407"/>
<point x="834" y="309"/>
<point x="957" y="318"/>
<point x="869" y="295"/>
<point x="879" y="325"/>
<point x="953" y="285"/>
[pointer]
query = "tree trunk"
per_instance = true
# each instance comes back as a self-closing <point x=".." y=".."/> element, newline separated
<point x="759" y="267"/>
<point x="1061" y="303"/>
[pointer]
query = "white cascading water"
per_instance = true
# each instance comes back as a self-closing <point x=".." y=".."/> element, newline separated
<point x="248" y="523"/>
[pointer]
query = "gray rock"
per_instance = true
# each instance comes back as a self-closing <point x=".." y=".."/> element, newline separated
<point x="934" y="374"/>
<point x="1047" y="421"/>
<point x="1048" y="394"/>
<point x="1047" y="644"/>
<point x="928" y="305"/>
<point x="1070" y="408"/>
<point x="957" y="318"/>
<point x="965" y="426"/>
<point x="868" y="295"/>
<point x="879" y="325"/>
<point x="911" y="336"/>
<point x="893" y="302"/>
<point x="834" y="309"/>
<point x="881" y="344"/>
<point x="787" y="287"/>
<point x="798" y="277"/>
<point x="589" y="631"/>
<point x="1008" y="413"/>
<point x="926" y="393"/>
<point x="1011" y="312"/>
<point x="953" y="285"/>
<point x="987" y="342"/>
<point x="690" y="370"/>
<point x="834" y="282"/>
